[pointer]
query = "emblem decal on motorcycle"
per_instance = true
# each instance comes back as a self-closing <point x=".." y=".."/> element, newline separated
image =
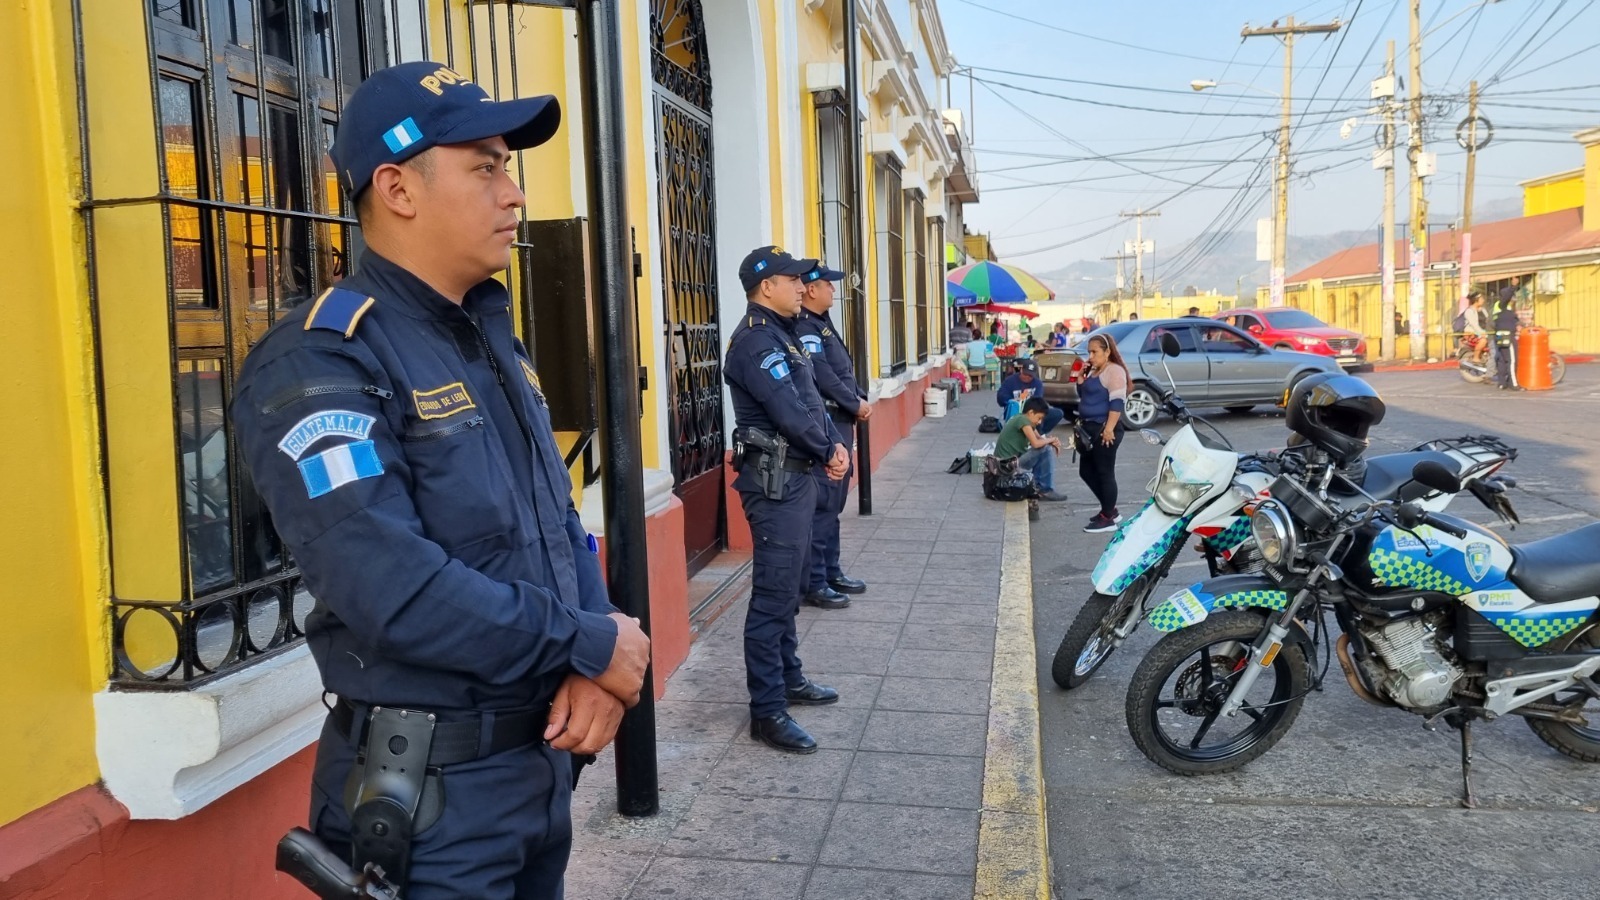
<point x="1189" y="608"/>
<point x="1477" y="560"/>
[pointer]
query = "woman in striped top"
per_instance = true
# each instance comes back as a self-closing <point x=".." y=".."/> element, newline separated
<point x="1100" y="407"/>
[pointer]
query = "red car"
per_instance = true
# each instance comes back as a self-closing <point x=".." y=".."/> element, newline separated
<point x="1296" y="329"/>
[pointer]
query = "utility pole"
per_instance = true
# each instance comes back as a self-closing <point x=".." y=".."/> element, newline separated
<point x="1121" y="278"/>
<point x="1465" y="257"/>
<point x="1416" y="301"/>
<point x="1280" y="208"/>
<point x="1139" y="250"/>
<point x="1386" y="326"/>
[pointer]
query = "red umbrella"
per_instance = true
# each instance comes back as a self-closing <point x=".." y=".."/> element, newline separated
<point x="996" y="309"/>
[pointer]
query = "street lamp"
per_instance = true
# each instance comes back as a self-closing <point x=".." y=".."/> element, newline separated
<point x="1280" y="183"/>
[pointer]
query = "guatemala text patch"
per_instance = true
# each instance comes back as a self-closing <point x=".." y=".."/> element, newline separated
<point x="812" y="343"/>
<point x="329" y="423"/>
<point x="338" y="466"/>
<point x="441" y="402"/>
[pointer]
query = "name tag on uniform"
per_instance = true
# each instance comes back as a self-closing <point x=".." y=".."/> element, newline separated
<point x="442" y="402"/>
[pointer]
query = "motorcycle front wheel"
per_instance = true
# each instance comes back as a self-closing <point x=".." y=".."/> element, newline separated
<point x="1090" y="641"/>
<point x="1175" y="700"/>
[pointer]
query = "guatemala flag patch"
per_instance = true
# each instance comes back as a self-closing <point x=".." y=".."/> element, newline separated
<point x="403" y="135"/>
<point x="336" y="467"/>
<point x="812" y="343"/>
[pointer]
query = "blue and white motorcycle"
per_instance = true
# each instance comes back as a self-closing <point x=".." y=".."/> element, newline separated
<point x="1438" y="617"/>
<point x="1204" y="488"/>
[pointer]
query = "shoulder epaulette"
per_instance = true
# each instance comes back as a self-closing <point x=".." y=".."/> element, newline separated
<point x="339" y="310"/>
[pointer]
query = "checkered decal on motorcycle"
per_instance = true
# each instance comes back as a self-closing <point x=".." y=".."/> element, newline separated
<point x="1151" y="555"/>
<point x="1399" y="570"/>
<point x="1167" y="617"/>
<point x="1536" y="630"/>
<point x="1275" y="600"/>
<point x="1232" y="536"/>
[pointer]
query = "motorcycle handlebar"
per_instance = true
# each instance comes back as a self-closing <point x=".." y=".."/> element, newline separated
<point x="1446" y="527"/>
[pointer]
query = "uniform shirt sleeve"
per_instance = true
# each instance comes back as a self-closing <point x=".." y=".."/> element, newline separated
<point x="592" y="594"/>
<point x="763" y="370"/>
<point x="831" y="386"/>
<point x="344" y="507"/>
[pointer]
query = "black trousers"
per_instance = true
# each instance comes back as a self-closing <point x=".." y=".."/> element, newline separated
<point x="1097" y="466"/>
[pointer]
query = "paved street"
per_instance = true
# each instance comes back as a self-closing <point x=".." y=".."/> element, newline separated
<point x="1356" y="801"/>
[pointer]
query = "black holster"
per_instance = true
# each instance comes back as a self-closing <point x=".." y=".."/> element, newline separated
<point x="392" y="794"/>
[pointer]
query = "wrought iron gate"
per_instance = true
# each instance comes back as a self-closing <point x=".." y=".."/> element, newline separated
<point x="689" y="272"/>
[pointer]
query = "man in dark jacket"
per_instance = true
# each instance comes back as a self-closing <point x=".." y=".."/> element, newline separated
<point x="1021" y="385"/>
<point x="399" y="438"/>
<point x="1506" y="324"/>
<point x="846" y="403"/>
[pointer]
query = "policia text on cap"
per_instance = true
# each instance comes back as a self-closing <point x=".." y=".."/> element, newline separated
<point x="399" y="437"/>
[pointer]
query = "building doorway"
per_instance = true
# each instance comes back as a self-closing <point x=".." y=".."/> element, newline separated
<point x="686" y="181"/>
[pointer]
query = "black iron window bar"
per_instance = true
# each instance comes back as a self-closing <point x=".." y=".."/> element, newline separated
<point x="222" y="629"/>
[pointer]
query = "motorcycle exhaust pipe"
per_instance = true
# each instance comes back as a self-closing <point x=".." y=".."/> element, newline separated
<point x="1342" y="647"/>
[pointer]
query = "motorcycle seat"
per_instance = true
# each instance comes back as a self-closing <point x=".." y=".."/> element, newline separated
<point x="1387" y="474"/>
<point x="1560" y="568"/>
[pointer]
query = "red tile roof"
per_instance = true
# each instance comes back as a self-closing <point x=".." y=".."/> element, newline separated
<point x="1556" y="232"/>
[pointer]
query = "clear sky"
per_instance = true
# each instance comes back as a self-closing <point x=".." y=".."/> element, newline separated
<point x="1055" y="171"/>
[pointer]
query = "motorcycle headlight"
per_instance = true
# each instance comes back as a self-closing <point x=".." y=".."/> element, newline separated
<point x="1273" y="531"/>
<point x="1172" y="496"/>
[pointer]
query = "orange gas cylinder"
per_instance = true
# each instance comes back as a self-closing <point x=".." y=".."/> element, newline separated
<point x="1533" y="358"/>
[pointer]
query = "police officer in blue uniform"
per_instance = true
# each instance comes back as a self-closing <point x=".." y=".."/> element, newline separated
<point x="782" y="435"/>
<point x="396" y="430"/>
<point x="845" y="402"/>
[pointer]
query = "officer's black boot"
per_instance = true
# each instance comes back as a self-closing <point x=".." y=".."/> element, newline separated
<point x="780" y="732"/>
<point x="844" y="584"/>
<point x="826" y="598"/>
<point x="809" y="693"/>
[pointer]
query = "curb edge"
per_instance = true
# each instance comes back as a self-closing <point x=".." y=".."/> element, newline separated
<point x="1013" y="850"/>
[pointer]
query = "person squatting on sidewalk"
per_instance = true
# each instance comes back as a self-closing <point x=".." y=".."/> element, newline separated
<point x="397" y="433"/>
<point x="846" y="402"/>
<point x="1100" y="407"/>
<point x="783" y="434"/>
<point x="1023" y="440"/>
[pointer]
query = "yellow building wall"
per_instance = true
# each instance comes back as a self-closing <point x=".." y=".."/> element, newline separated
<point x="53" y="531"/>
<point x="651" y="352"/>
<point x="769" y="52"/>
<point x="1563" y="193"/>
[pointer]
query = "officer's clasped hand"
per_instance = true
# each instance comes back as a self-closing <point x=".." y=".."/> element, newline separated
<point x="839" y="465"/>
<point x="583" y="716"/>
<point x="624" y="676"/>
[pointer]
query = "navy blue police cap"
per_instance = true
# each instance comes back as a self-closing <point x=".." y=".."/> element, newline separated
<point x="822" y="273"/>
<point x="403" y="110"/>
<point x="764" y="262"/>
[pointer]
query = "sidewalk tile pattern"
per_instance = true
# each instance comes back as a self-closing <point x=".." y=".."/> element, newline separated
<point x="889" y="806"/>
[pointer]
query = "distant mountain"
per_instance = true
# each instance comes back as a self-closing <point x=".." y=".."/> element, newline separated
<point x="1231" y="265"/>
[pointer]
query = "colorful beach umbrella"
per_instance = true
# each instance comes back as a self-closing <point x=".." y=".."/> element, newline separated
<point x="997" y="283"/>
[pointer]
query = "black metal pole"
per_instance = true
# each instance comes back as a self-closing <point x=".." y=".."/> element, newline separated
<point x="858" y="322"/>
<point x="622" y="466"/>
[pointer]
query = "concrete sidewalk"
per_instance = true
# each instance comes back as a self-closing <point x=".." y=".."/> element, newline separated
<point x="927" y="782"/>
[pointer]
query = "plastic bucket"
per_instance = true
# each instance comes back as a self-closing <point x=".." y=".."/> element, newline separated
<point x="935" y="402"/>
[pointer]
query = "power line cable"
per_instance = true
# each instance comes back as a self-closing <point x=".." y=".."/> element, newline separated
<point x="1092" y="37"/>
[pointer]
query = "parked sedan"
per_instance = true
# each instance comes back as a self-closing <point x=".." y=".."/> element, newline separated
<point x="1217" y="365"/>
<point x="1296" y="329"/>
